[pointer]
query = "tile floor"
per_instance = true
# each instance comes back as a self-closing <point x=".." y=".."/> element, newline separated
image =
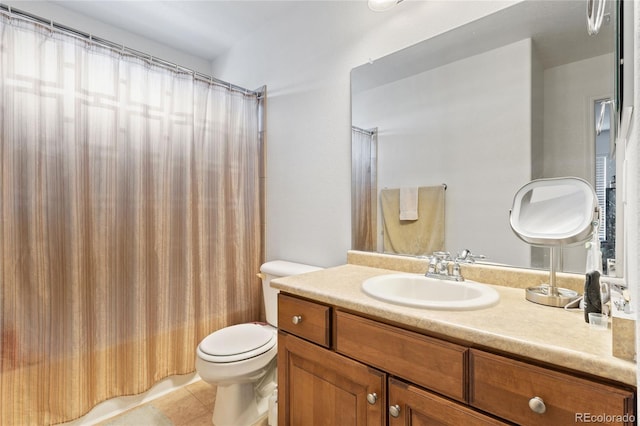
<point x="191" y="405"/>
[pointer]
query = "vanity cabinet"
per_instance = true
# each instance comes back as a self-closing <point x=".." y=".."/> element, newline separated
<point x="340" y="368"/>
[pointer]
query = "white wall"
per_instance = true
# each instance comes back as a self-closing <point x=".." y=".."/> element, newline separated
<point x="570" y="92"/>
<point x="305" y="61"/>
<point x="537" y="116"/>
<point x="441" y="126"/>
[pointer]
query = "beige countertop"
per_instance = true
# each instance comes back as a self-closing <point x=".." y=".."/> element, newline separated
<point x="550" y="335"/>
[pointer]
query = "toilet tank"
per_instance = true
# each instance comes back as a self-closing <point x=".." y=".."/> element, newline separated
<point x="277" y="269"/>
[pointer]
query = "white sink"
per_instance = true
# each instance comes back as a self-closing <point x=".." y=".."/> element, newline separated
<point x="432" y="293"/>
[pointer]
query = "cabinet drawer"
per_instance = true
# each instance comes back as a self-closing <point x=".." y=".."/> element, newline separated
<point x="416" y="406"/>
<point x="305" y="319"/>
<point x="427" y="362"/>
<point x="505" y="387"/>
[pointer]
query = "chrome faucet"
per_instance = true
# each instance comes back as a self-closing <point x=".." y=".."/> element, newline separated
<point x="439" y="265"/>
<point x="442" y="266"/>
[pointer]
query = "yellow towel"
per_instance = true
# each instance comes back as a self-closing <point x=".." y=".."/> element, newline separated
<point x="418" y="237"/>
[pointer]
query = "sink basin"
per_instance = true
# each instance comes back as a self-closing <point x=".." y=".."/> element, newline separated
<point x="432" y="293"/>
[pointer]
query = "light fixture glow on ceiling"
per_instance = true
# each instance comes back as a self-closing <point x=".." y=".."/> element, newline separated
<point x="382" y="5"/>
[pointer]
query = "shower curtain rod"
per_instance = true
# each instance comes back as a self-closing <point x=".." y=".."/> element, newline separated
<point x="124" y="49"/>
<point x="369" y="132"/>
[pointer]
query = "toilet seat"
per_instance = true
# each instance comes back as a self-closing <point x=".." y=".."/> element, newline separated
<point x="237" y="343"/>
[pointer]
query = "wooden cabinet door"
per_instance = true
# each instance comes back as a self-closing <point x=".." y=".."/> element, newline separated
<point x="413" y="406"/>
<point x="319" y="387"/>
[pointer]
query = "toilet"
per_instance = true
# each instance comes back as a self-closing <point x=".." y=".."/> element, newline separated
<point x="241" y="359"/>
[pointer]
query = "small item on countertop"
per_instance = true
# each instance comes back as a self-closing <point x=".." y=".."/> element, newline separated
<point x="592" y="301"/>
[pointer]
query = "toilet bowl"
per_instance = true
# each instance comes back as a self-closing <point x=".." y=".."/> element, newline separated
<point x="241" y="359"/>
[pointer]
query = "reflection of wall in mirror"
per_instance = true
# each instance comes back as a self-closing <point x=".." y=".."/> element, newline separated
<point x="569" y="148"/>
<point x="569" y="93"/>
<point x="435" y="127"/>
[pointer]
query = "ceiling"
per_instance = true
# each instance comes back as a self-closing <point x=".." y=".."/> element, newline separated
<point x="558" y="30"/>
<point x="202" y="28"/>
<point x="207" y="28"/>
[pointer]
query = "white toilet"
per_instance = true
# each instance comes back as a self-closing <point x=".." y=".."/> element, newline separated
<point x="241" y="359"/>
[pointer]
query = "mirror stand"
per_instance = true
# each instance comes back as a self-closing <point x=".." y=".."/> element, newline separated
<point x="554" y="213"/>
<point x="550" y="294"/>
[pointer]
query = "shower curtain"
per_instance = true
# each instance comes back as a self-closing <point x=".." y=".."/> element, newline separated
<point x="130" y="205"/>
<point x="364" y="189"/>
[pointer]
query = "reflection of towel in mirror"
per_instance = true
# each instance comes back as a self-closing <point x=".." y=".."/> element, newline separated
<point x="417" y="237"/>
<point x="409" y="203"/>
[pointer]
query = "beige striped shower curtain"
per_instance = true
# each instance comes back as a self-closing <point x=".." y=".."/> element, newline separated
<point x="130" y="208"/>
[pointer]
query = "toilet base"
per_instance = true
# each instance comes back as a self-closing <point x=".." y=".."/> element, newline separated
<point x="239" y="405"/>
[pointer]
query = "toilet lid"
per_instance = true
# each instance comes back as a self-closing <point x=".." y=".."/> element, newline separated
<point x="240" y="341"/>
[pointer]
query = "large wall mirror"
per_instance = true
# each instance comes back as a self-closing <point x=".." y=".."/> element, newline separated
<point x="481" y="110"/>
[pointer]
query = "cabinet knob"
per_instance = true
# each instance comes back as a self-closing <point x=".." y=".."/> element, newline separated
<point x="394" y="410"/>
<point x="372" y="398"/>
<point x="537" y="405"/>
<point x="297" y="319"/>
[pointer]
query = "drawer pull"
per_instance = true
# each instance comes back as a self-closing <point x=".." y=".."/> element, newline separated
<point x="372" y="398"/>
<point x="297" y="319"/>
<point x="537" y="405"/>
<point x="394" y="410"/>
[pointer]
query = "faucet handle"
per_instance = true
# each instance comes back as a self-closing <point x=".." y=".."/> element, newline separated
<point x="456" y="273"/>
<point x="442" y="262"/>
<point x="465" y="256"/>
<point x="433" y="261"/>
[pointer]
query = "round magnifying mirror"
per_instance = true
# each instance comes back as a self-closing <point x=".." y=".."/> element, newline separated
<point x="554" y="213"/>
